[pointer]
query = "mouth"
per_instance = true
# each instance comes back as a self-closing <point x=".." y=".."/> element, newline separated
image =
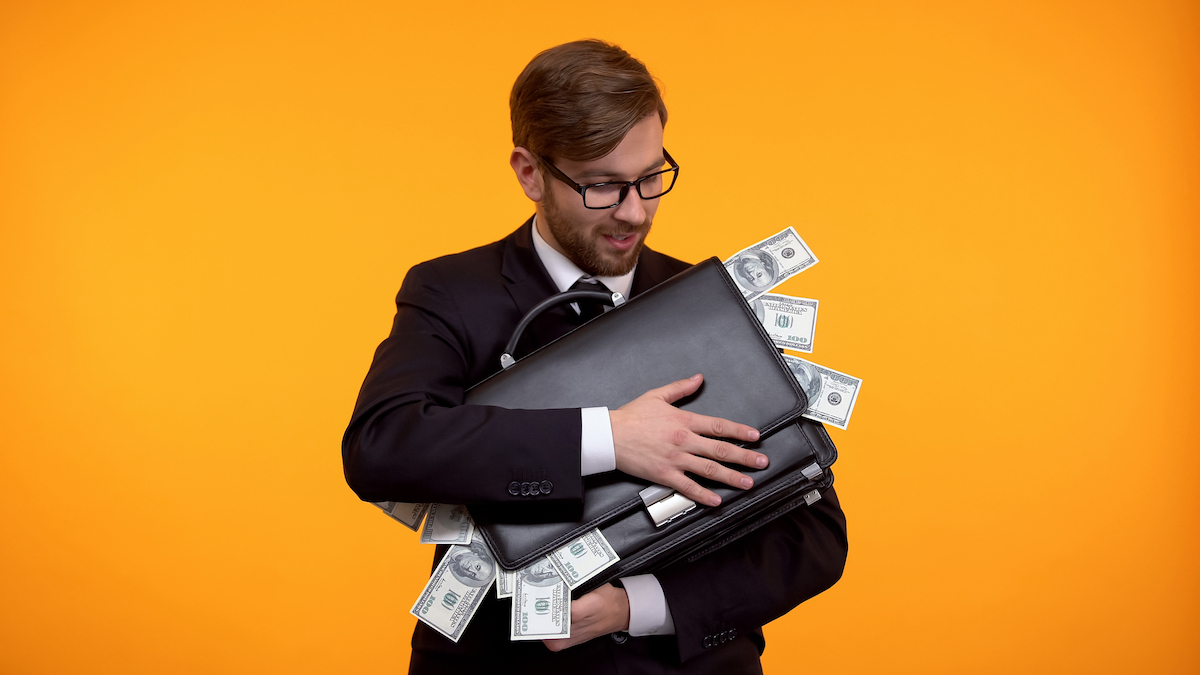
<point x="622" y="242"/>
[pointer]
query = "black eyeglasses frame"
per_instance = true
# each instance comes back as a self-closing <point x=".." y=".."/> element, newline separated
<point x="625" y="185"/>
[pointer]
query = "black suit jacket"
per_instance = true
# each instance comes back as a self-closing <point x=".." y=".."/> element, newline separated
<point x="411" y="439"/>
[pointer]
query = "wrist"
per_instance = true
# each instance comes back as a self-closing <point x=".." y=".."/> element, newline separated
<point x="620" y="599"/>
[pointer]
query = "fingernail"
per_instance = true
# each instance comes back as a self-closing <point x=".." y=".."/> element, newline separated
<point x="761" y="461"/>
<point x="714" y="500"/>
<point x="753" y="435"/>
<point x="695" y="377"/>
<point x="747" y="483"/>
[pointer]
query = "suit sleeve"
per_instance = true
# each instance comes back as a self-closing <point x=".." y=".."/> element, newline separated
<point x="411" y="439"/>
<point x="757" y="578"/>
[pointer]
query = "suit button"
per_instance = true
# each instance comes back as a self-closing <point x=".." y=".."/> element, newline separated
<point x="534" y="488"/>
<point x="619" y="637"/>
<point x="546" y="486"/>
<point x="514" y="488"/>
<point x="524" y="489"/>
<point x="707" y="641"/>
<point x="732" y="633"/>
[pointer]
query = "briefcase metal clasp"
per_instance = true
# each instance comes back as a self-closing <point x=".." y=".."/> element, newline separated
<point x="665" y="504"/>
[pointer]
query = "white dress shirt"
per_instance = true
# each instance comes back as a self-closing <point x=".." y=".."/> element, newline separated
<point x="648" y="611"/>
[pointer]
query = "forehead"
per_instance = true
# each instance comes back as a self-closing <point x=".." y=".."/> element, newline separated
<point x="639" y="153"/>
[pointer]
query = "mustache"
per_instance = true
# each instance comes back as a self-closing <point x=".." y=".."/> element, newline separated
<point x="640" y="229"/>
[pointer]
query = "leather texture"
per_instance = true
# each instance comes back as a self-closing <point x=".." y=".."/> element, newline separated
<point x="697" y="322"/>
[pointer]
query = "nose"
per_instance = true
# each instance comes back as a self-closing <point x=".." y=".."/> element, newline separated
<point x="631" y="210"/>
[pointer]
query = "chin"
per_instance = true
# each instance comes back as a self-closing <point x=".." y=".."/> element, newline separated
<point x="585" y="245"/>
<point x="617" y="265"/>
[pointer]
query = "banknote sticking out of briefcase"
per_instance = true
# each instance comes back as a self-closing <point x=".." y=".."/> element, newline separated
<point x="696" y="322"/>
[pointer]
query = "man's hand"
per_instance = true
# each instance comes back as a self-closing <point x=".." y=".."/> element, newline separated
<point x="659" y="442"/>
<point x="603" y="611"/>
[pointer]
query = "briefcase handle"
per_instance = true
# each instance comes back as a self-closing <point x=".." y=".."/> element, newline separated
<point x="611" y="299"/>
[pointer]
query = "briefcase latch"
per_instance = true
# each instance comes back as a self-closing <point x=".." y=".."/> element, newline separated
<point x="665" y="504"/>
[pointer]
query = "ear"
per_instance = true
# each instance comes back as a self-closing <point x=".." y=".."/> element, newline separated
<point x="529" y="175"/>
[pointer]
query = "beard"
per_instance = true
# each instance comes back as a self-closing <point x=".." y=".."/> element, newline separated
<point x="583" y="244"/>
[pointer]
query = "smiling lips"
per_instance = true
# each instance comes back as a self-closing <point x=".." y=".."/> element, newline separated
<point x="622" y="242"/>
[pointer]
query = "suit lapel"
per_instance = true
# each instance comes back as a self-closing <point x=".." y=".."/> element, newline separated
<point x="528" y="281"/>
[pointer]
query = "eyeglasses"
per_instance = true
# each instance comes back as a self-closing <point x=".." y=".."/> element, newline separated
<point x="610" y="195"/>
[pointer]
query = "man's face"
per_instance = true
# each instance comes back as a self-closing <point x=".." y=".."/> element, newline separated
<point x="604" y="242"/>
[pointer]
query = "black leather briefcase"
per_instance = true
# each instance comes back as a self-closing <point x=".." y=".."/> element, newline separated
<point x="696" y="322"/>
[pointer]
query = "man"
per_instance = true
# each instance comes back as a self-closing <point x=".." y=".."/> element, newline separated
<point x="588" y="134"/>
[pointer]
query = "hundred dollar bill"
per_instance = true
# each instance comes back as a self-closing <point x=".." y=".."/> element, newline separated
<point x="505" y="581"/>
<point x="791" y="322"/>
<point x="831" y="395"/>
<point x="456" y="589"/>
<point x="583" y="558"/>
<point x="541" y="605"/>
<point x="448" y="524"/>
<point x="407" y="514"/>
<point x="770" y="262"/>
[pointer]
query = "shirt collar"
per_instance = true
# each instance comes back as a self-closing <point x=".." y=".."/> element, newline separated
<point x="565" y="273"/>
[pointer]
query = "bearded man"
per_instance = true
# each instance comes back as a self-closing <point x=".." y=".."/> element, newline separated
<point x="588" y="123"/>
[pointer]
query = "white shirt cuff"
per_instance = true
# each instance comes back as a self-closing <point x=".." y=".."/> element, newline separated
<point x="648" y="611"/>
<point x="597" y="453"/>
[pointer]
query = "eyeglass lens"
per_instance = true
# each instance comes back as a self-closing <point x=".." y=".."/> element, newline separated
<point x="603" y="196"/>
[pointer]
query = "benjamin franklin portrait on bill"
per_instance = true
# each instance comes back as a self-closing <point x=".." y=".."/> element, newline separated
<point x="540" y="573"/>
<point x="473" y="565"/>
<point x="755" y="270"/>
<point x="760" y="310"/>
<point x="809" y="379"/>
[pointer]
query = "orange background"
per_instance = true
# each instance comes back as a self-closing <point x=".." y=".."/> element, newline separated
<point x="206" y="210"/>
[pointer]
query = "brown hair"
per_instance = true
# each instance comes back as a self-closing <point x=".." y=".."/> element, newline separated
<point x="579" y="99"/>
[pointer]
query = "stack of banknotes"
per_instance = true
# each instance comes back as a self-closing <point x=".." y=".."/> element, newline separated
<point x="792" y="322"/>
<point x="541" y="592"/>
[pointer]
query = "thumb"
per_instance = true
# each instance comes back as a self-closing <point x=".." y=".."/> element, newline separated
<point x="681" y="388"/>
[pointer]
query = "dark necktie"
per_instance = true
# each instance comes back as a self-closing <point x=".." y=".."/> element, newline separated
<point x="589" y="309"/>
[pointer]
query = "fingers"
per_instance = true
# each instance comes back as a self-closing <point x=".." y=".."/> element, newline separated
<point x="722" y="428"/>
<point x="727" y="452"/>
<point x="559" y="644"/>
<point x="699" y="462"/>
<point x="693" y="491"/>
<point x="598" y="613"/>
<point x="663" y="444"/>
<point x="706" y="468"/>
<point x="703" y="424"/>
<point x="678" y="389"/>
